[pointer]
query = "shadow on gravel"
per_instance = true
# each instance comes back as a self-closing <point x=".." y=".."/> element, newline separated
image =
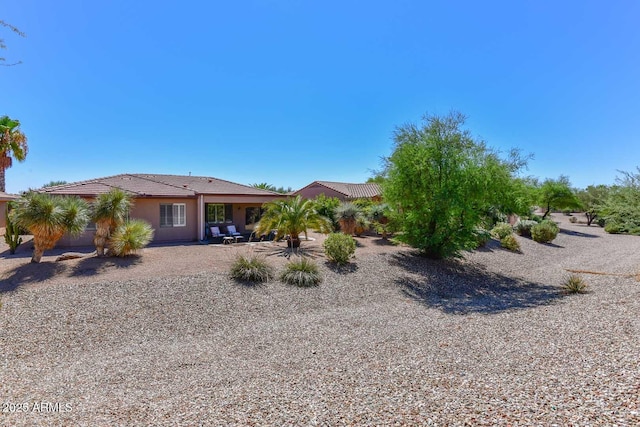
<point x="281" y="251"/>
<point x="577" y="233"/>
<point x="457" y="288"/>
<point x="30" y="273"/>
<point x="341" y="269"/>
<point x="92" y="265"/>
<point x="40" y="272"/>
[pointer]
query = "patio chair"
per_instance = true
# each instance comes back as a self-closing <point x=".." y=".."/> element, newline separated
<point x="231" y="231"/>
<point x="215" y="232"/>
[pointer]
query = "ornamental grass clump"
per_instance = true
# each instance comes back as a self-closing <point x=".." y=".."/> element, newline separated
<point x="574" y="284"/>
<point x="130" y="237"/>
<point x="339" y="248"/>
<point x="252" y="268"/>
<point x="544" y="232"/>
<point x="502" y="230"/>
<point x="302" y="272"/>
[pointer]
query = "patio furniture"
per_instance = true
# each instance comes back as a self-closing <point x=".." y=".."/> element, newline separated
<point x="231" y="231"/>
<point x="226" y="240"/>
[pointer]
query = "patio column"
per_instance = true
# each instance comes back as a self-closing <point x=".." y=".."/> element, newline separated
<point x="200" y="217"/>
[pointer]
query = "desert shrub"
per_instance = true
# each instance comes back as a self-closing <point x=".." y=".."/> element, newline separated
<point x="536" y="218"/>
<point x="545" y="231"/>
<point x="601" y="222"/>
<point x="510" y="242"/>
<point x="482" y="237"/>
<point x="251" y="269"/>
<point x="502" y="230"/>
<point x="302" y="272"/>
<point x="339" y="248"/>
<point x="573" y="220"/>
<point x="12" y="232"/>
<point x="574" y="285"/>
<point x="613" y="227"/>
<point x="130" y="237"/>
<point x="326" y="206"/>
<point x="523" y="227"/>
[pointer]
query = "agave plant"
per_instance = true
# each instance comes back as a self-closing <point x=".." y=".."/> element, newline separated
<point x="109" y="211"/>
<point x="48" y="218"/>
<point x="291" y="217"/>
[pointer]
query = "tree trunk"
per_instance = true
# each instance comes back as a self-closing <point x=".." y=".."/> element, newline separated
<point x="37" y="254"/>
<point x="2" y="180"/>
<point x="293" y="242"/>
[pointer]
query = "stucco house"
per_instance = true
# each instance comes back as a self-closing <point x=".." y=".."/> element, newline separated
<point x="342" y="190"/>
<point x="179" y="208"/>
<point x="4" y="199"/>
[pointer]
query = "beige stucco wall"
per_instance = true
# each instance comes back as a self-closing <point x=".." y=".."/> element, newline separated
<point x="3" y="215"/>
<point x="149" y="210"/>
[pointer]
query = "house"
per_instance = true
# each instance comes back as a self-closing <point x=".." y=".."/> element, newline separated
<point x="4" y="199"/>
<point x="179" y="208"/>
<point x="342" y="190"/>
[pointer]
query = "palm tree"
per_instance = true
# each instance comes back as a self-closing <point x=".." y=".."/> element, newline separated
<point x="347" y="214"/>
<point x="49" y="217"/>
<point x="13" y="144"/>
<point x="109" y="211"/>
<point x="290" y="217"/>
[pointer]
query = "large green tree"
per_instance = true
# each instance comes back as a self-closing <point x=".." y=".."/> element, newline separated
<point x="592" y="200"/>
<point x="621" y="210"/>
<point x="440" y="184"/>
<point x="291" y="217"/>
<point x="13" y="145"/>
<point x="557" y="194"/>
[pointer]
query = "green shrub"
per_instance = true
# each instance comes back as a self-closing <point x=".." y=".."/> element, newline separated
<point x="573" y="220"/>
<point x="130" y="237"/>
<point x="251" y="269"/>
<point x="339" y="248"/>
<point x="502" y="230"/>
<point x="567" y="212"/>
<point x="523" y="227"/>
<point x="510" y="242"/>
<point x="601" y="222"/>
<point x="12" y="233"/>
<point x="482" y="237"/>
<point x="536" y="218"/>
<point x="613" y="227"/>
<point x="302" y="272"/>
<point x="574" y="285"/>
<point x="544" y="232"/>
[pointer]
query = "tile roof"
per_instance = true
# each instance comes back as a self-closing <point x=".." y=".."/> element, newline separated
<point x="157" y="186"/>
<point x="6" y="196"/>
<point x="352" y="191"/>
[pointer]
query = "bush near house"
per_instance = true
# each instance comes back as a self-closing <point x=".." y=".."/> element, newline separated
<point x="251" y="269"/>
<point x="302" y="272"/>
<point x="339" y="248"/>
<point x="130" y="237"/>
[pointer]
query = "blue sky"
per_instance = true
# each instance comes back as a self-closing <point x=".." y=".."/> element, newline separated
<point x="287" y="92"/>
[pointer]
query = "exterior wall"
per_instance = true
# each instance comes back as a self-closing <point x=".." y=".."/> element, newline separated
<point x="314" y="190"/>
<point x="149" y="210"/>
<point x="3" y="215"/>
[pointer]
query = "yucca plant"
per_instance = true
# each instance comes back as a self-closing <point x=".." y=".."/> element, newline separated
<point x="302" y="272"/>
<point x="251" y="269"/>
<point x="130" y="237"/>
<point x="109" y="211"/>
<point x="347" y="214"/>
<point x="49" y="217"/>
<point x="291" y="217"/>
<point x="574" y="284"/>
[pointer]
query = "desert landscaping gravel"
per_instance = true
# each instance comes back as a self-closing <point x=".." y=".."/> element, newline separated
<point x="167" y="339"/>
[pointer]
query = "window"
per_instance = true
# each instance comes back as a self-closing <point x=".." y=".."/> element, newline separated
<point x="173" y="215"/>
<point x="217" y="213"/>
<point x="91" y="226"/>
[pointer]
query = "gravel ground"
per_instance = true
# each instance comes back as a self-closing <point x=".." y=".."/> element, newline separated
<point x="394" y="339"/>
